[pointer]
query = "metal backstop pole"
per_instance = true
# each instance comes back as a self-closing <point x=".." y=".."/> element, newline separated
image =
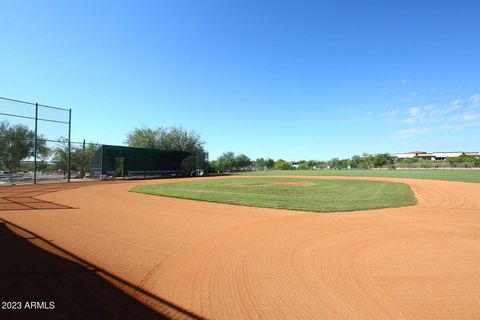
<point x="69" y="144"/>
<point x="35" y="146"/>
<point x="83" y="160"/>
<point x="207" y="166"/>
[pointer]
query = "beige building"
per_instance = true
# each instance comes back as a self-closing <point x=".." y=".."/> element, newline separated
<point x="446" y="155"/>
<point x="475" y="154"/>
<point x="404" y="155"/>
<point x="442" y="155"/>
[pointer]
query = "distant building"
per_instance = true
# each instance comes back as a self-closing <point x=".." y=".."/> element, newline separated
<point x="475" y="154"/>
<point x="442" y="155"/>
<point x="446" y="155"/>
<point x="404" y="155"/>
<point x="295" y="165"/>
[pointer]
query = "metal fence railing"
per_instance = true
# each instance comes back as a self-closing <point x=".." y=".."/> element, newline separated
<point x="26" y="152"/>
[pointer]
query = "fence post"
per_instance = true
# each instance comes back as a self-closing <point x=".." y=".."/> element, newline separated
<point x="35" y="146"/>
<point x="82" y="173"/>
<point x="69" y="143"/>
<point x="207" y="167"/>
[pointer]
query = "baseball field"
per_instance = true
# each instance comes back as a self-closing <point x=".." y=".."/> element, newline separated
<point x="98" y="250"/>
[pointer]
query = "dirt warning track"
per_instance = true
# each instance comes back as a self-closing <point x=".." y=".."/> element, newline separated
<point x="187" y="259"/>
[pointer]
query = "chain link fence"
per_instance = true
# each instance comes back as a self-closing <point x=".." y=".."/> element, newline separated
<point x="35" y="144"/>
<point x="36" y="147"/>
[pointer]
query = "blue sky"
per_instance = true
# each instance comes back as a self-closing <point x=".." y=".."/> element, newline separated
<point x="281" y="79"/>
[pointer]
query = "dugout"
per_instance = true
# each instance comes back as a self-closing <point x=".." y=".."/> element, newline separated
<point x="129" y="162"/>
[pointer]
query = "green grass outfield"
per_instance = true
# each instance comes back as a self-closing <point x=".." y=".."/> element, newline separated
<point x="289" y="193"/>
<point x="438" y="174"/>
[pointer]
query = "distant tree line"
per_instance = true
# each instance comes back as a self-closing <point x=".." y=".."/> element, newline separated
<point x="229" y="162"/>
<point x="17" y="147"/>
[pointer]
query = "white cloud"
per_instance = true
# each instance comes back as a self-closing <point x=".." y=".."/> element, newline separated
<point x="431" y="113"/>
<point x="370" y="115"/>
<point x="414" y="111"/>
<point x="429" y="107"/>
<point x="404" y="81"/>
<point x="422" y="120"/>
<point x="452" y="106"/>
<point x="465" y="117"/>
<point x="411" y="132"/>
<point x="431" y="119"/>
<point x="393" y="112"/>
<point x="389" y="116"/>
<point x="417" y="131"/>
<point x="475" y="99"/>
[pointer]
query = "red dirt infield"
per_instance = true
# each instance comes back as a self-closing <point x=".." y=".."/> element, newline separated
<point x="99" y="251"/>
